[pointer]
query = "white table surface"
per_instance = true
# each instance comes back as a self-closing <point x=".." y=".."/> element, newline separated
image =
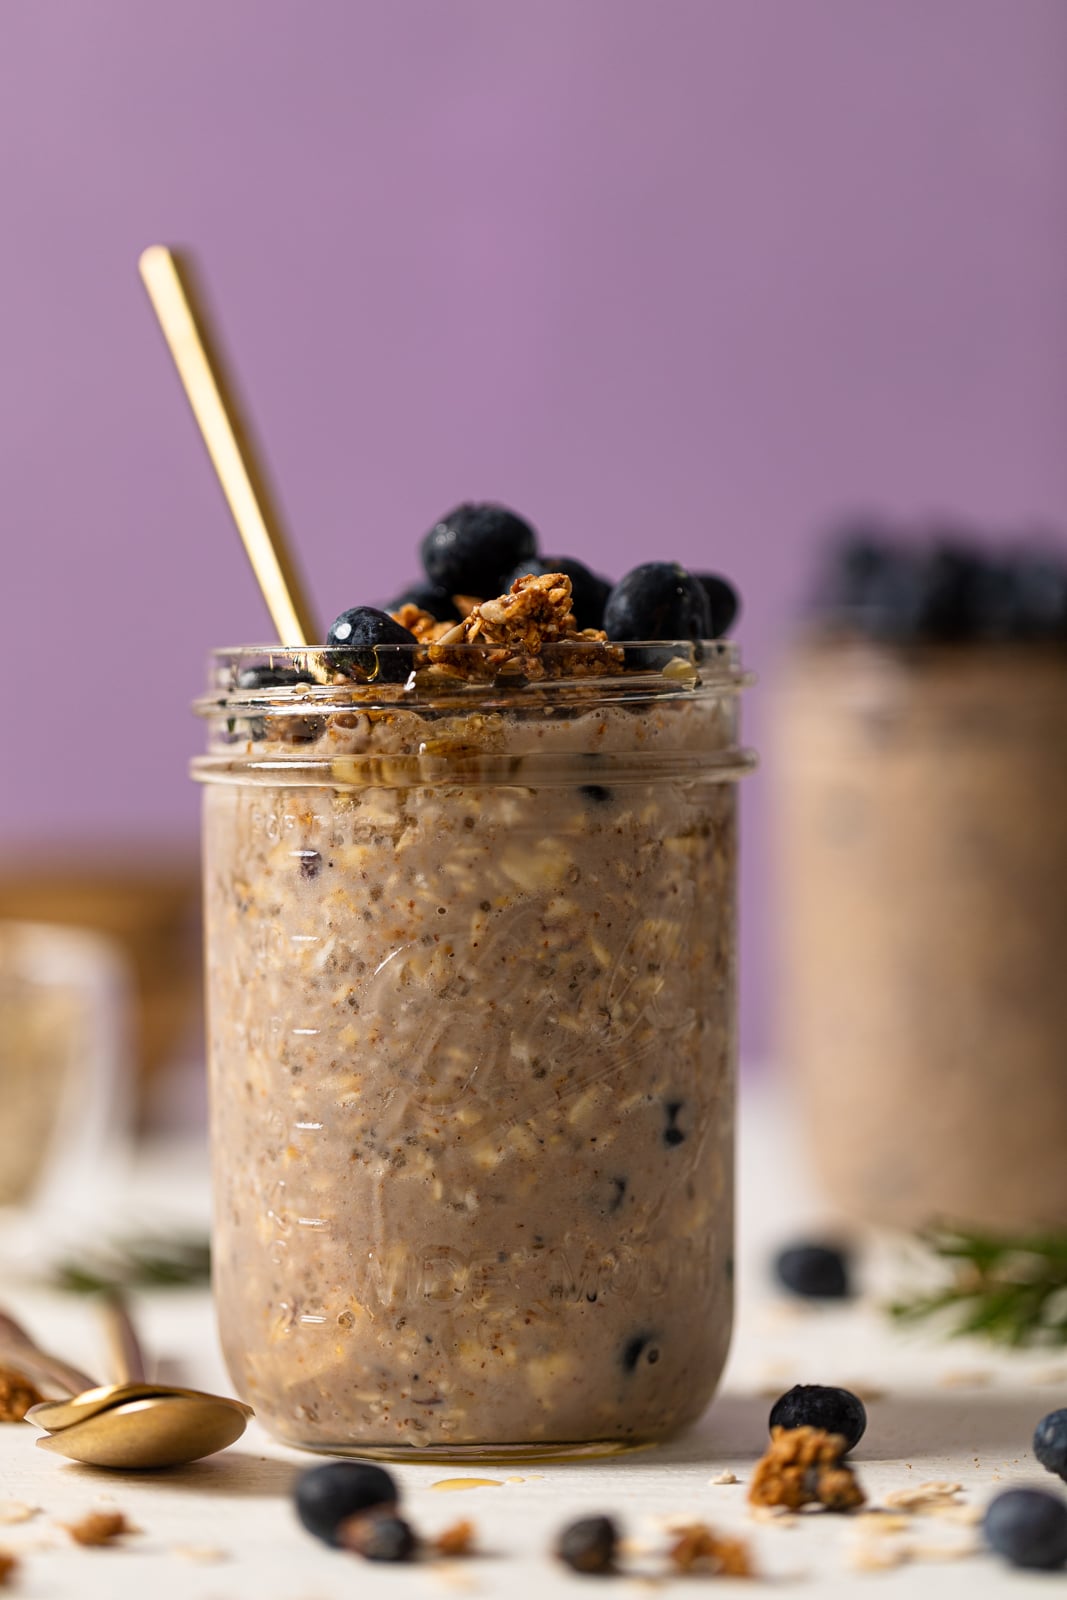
<point x="224" y="1530"/>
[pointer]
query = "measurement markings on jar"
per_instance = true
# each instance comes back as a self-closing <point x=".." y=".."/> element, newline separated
<point x="304" y="938"/>
<point x="305" y="1033"/>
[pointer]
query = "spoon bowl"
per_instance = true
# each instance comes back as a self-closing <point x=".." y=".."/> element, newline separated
<point x="157" y="1431"/>
<point x="53" y="1415"/>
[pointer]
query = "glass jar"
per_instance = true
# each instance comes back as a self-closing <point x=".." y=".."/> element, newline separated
<point x="65" y="1086"/>
<point x="471" y="964"/>
<point x="921" y="801"/>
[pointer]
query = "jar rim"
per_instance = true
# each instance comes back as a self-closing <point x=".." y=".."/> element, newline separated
<point x="291" y="676"/>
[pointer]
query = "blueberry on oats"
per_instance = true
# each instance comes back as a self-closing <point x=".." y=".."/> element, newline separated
<point x="474" y="548"/>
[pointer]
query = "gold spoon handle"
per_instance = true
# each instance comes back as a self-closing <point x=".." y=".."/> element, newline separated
<point x="17" y="1346"/>
<point x="127" y="1356"/>
<point x="186" y="328"/>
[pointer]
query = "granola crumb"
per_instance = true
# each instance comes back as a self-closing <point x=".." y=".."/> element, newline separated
<point x="17" y="1395"/>
<point x="924" y="1499"/>
<point x="699" y="1547"/>
<point x="803" y="1466"/>
<point x="99" y="1527"/>
<point x="725" y="1477"/>
<point x="12" y="1511"/>
<point x="8" y="1566"/>
<point x="456" y="1540"/>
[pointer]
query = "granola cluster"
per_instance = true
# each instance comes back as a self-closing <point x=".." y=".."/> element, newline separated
<point x="803" y="1466"/>
<point x="17" y="1395"/>
<point x="98" y="1528"/>
<point x="517" y="628"/>
<point x="700" y="1549"/>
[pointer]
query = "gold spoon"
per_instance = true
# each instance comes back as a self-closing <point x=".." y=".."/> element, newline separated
<point x="170" y="282"/>
<point x="131" y="1424"/>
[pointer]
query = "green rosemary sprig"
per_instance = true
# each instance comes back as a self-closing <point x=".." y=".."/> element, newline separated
<point x="145" y="1263"/>
<point x="1012" y="1291"/>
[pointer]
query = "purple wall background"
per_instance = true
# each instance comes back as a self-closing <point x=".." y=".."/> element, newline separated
<point x="674" y="277"/>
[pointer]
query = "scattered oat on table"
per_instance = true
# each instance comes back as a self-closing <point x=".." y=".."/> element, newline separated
<point x="99" y="1528"/>
<point x="724" y="1477"/>
<point x="877" y="1557"/>
<point x="12" y="1511"/>
<point x="965" y="1378"/>
<point x="17" y="1395"/>
<point x="203" y="1554"/>
<point x="925" y="1499"/>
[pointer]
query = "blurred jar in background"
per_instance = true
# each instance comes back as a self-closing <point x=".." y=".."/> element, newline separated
<point x="65" y="1080"/>
<point x="920" y="762"/>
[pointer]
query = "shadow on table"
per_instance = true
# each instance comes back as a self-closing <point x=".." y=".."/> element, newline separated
<point x="235" y="1472"/>
<point x="733" y="1432"/>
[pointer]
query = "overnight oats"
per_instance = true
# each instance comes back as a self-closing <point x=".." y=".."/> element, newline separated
<point x="470" y="905"/>
<point x="921" y="776"/>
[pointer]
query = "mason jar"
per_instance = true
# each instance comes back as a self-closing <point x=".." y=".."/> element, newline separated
<point x="471" y="948"/>
<point x="921" y="800"/>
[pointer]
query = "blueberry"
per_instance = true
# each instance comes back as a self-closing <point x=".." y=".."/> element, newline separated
<point x="672" y="1133"/>
<point x="1050" y="1442"/>
<point x="816" y="1405"/>
<point x="378" y="1535"/>
<point x="658" y="600"/>
<point x="428" y="597"/>
<point x="641" y="1345"/>
<point x="472" y="550"/>
<point x="588" y="591"/>
<point x="1029" y="1527"/>
<point x="949" y="591"/>
<point x="325" y="1496"/>
<point x="272" y="677"/>
<point x="589" y="1545"/>
<point x="723" y="600"/>
<point x="365" y="627"/>
<point x="1032" y="584"/>
<point x="818" y="1271"/>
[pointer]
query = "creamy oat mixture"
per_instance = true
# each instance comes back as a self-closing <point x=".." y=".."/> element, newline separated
<point x="471" y="994"/>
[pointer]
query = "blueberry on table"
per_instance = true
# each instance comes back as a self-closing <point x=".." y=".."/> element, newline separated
<point x="1050" y="1442"/>
<point x="816" y="1271"/>
<point x="589" y="592"/>
<point x="1028" y="1527"/>
<point x="359" y="630"/>
<point x="428" y="597"/>
<point x="379" y="1535"/>
<point x="658" y="600"/>
<point x="472" y="550"/>
<point x="589" y="1545"/>
<point x="327" y="1496"/>
<point x="723" y="600"/>
<point x="816" y="1405"/>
